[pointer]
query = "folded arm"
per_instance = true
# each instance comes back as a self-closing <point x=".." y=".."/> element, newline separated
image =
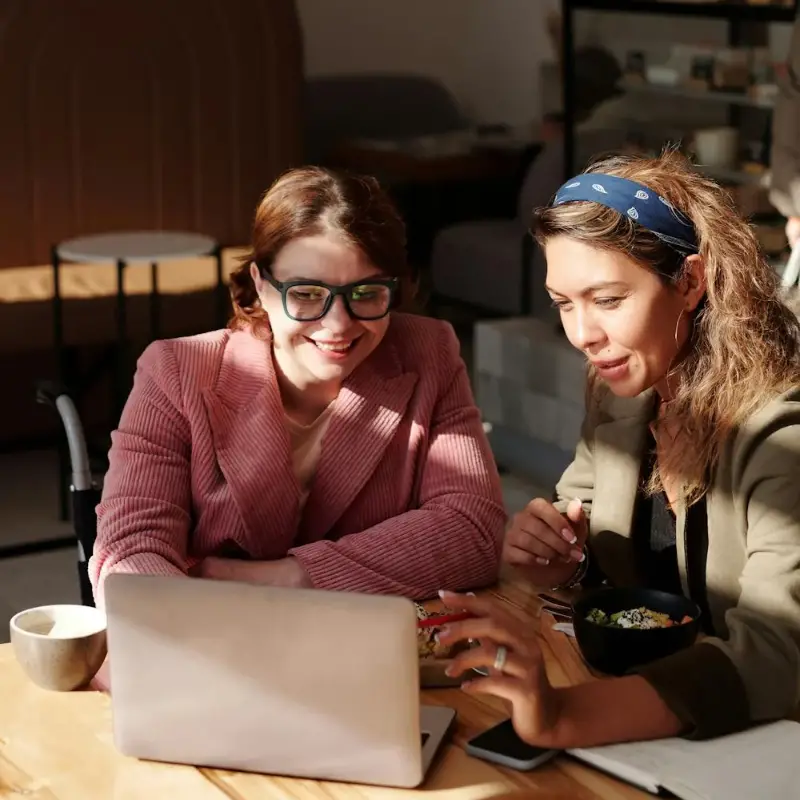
<point x="452" y="540"/>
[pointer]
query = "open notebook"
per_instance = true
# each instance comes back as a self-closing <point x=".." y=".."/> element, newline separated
<point x="759" y="764"/>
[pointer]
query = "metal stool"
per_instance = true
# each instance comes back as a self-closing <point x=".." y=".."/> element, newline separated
<point x="124" y="249"/>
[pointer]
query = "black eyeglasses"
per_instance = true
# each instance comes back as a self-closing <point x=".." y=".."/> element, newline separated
<point x="306" y="301"/>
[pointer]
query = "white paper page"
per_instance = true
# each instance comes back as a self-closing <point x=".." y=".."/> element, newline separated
<point x="759" y="764"/>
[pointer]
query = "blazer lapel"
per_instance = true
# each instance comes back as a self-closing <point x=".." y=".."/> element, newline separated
<point x="365" y="417"/>
<point x="619" y="448"/>
<point x="252" y="444"/>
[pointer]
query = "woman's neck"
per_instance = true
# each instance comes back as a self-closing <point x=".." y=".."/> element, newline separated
<point x="303" y="398"/>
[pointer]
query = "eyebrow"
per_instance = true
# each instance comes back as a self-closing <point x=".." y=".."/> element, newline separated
<point x="594" y="288"/>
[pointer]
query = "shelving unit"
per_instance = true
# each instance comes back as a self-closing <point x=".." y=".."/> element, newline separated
<point x="726" y="98"/>
<point x="735" y="13"/>
<point x="746" y="12"/>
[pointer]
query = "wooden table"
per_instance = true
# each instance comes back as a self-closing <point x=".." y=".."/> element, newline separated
<point x="59" y="746"/>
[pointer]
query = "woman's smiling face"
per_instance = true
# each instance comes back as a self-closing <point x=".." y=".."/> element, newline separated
<point x="325" y="350"/>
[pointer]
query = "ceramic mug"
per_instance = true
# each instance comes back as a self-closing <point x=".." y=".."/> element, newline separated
<point x="59" y="647"/>
<point x="717" y="147"/>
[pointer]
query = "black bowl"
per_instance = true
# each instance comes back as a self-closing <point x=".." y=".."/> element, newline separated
<point x="616" y="651"/>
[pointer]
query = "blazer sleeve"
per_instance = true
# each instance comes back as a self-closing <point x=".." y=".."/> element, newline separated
<point x="453" y="540"/>
<point x="753" y="674"/>
<point x="785" y="155"/>
<point x="143" y="518"/>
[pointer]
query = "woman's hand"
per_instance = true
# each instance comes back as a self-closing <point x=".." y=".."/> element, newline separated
<point x="545" y="544"/>
<point x="285" y="572"/>
<point x="523" y="682"/>
<point x="587" y="714"/>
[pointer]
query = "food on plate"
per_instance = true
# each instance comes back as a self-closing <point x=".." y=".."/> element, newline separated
<point x="637" y="618"/>
<point x="427" y="646"/>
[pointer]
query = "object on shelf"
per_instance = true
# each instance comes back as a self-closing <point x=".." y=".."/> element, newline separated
<point x="765" y="94"/>
<point x="662" y="75"/>
<point x="701" y="71"/>
<point x="751" y="199"/>
<point x="731" y="70"/>
<point x="771" y="237"/>
<point x="756" y="155"/>
<point x="717" y="147"/>
<point x="635" y="66"/>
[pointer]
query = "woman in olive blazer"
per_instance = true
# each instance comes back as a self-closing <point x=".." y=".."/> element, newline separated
<point x="687" y="475"/>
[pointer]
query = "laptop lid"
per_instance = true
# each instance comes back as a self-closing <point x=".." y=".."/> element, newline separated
<point x="293" y="682"/>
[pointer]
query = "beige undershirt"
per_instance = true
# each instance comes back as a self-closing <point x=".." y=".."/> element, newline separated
<point x="306" y="447"/>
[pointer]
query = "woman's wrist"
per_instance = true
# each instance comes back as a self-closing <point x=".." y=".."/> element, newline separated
<point x="608" y="710"/>
<point x="577" y="574"/>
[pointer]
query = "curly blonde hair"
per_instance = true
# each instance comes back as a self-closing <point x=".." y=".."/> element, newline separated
<point x="744" y="347"/>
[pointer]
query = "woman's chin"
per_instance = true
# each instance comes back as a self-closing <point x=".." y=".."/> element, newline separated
<point x="626" y="389"/>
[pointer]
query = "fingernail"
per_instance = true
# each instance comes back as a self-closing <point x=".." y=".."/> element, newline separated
<point x="442" y="633"/>
<point x="577" y="555"/>
<point x="470" y="594"/>
<point x="543" y="561"/>
<point x="466" y="684"/>
<point x="450" y="672"/>
<point x="569" y="536"/>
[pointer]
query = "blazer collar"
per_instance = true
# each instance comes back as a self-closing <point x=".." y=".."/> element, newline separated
<point x="252" y="443"/>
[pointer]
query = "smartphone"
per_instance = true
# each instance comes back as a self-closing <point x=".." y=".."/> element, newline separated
<point x="502" y="746"/>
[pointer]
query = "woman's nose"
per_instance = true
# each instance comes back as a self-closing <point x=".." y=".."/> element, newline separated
<point x="337" y="319"/>
<point x="584" y="332"/>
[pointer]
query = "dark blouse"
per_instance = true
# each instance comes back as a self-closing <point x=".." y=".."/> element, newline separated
<point x="655" y="548"/>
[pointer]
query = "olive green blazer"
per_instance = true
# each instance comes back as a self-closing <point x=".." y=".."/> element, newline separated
<point x="750" y="671"/>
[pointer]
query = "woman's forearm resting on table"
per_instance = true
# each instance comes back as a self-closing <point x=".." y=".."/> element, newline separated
<point x="413" y="554"/>
<point x="696" y="693"/>
<point x="611" y="710"/>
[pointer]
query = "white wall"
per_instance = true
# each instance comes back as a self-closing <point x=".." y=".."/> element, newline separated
<point x="487" y="52"/>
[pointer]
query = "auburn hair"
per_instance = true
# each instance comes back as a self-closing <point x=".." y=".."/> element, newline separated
<point x="744" y="346"/>
<point x="308" y="201"/>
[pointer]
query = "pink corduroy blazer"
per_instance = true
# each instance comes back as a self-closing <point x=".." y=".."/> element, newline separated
<point x="406" y="498"/>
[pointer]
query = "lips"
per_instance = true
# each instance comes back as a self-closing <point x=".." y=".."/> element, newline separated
<point x="333" y="346"/>
<point x="603" y="365"/>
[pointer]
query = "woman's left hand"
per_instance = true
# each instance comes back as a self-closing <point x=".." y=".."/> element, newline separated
<point x="511" y="644"/>
<point x="285" y="572"/>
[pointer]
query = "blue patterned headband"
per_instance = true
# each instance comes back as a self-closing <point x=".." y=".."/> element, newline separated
<point x="635" y="201"/>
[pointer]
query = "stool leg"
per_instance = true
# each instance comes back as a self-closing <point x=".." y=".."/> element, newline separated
<point x="63" y="379"/>
<point x="221" y="289"/>
<point x="58" y="318"/>
<point x="121" y="372"/>
<point x="155" y="303"/>
<point x="63" y="480"/>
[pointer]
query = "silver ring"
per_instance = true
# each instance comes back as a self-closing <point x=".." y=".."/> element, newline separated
<point x="500" y="658"/>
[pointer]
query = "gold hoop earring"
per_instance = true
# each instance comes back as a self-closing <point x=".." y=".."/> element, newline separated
<point x="677" y="325"/>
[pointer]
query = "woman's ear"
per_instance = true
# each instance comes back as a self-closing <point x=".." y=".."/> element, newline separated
<point x="256" y="276"/>
<point x="692" y="283"/>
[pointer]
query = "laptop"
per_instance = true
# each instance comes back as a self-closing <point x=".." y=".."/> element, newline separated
<point x="296" y="682"/>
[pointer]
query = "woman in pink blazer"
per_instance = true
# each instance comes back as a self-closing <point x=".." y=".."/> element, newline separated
<point x="323" y="440"/>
